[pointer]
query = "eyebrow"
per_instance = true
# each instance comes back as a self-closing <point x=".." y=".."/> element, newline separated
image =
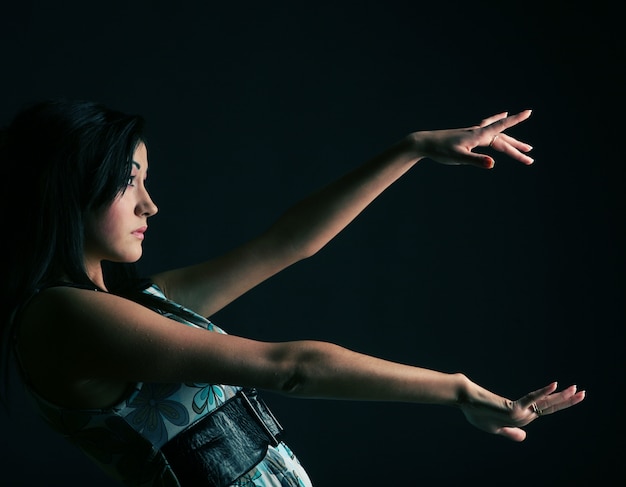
<point x="136" y="164"/>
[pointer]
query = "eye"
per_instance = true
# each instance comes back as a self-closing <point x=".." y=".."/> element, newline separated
<point x="130" y="181"/>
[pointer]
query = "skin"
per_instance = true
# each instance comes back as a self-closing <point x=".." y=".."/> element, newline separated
<point x="117" y="232"/>
<point x="97" y="344"/>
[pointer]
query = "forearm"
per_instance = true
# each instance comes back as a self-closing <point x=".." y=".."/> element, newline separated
<point x="310" y="224"/>
<point x="324" y="370"/>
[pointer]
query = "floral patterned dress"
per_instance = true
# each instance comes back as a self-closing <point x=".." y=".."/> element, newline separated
<point x="126" y="439"/>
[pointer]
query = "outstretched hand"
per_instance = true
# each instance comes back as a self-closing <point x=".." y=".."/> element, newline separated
<point x="525" y="410"/>
<point x="455" y="146"/>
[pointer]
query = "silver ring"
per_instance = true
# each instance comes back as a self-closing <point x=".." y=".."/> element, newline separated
<point x="493" y="140"/>
<point x="536" y="409"/>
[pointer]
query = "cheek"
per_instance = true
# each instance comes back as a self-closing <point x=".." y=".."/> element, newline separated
<point x="103" y="225"/>
<point x="109" y="222"/>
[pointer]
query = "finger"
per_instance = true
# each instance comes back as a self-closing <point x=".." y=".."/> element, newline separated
<point x="503" y="124"/>
<point x="562" y="400"/>
<point x="501" y="144"/>
<point x="478" y="160"/>
<point x="512" y="433"/>
<point x="493" y="118"/>
<point x="507" y="139"/>
<point x="464" y="156"/>
<point x="571" y="401"/>
<point x="531" y="397"/>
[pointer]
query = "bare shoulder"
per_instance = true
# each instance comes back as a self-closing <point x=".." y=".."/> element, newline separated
<point x="55" y="313"/>
<point x="56" y="352"/>
<point x="67" y="319"/>
<point x="85" y="348"/>
<point x="76" y="343"/>
<point x="48" y="314"/>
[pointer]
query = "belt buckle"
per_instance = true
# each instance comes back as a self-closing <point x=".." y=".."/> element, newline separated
<point x="248" y="403"/>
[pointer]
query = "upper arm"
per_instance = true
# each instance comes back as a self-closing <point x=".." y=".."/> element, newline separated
<point x="209" y="286"/>
<point x="88" y="335"/>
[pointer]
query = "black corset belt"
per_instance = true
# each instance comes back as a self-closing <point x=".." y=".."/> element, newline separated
<point x="225" y="444"/>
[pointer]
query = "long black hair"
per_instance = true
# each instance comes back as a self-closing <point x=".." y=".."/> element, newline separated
<point x="60" y="159"/>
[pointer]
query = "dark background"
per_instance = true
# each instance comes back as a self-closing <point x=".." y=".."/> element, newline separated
<point x="513" y="276"/>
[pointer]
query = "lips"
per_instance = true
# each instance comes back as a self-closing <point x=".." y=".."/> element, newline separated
<point x="139" y="233"/>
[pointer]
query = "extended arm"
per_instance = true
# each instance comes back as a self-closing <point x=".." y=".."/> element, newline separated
<point x="97" y="344"/>
<point x="309" y="225"/>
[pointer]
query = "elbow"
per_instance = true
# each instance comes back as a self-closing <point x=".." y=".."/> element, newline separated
<point x="301" y="368"/>
<point x="293" y="246"/>
<point x="304" y="253"/>
<point x="299" y="250"/>
<point x="293" y="383"/>
<point x="296" y="378"/>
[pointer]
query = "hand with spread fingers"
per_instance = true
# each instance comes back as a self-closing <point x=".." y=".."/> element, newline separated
<point x="455" y="146"/>
<point x="509" y="419"/>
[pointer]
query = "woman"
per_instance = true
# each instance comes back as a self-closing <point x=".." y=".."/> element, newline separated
<point x="107" y="355"/>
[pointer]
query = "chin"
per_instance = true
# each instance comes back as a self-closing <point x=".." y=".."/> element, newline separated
<point x="129" y="258"/>
<point x="135" y="259"/>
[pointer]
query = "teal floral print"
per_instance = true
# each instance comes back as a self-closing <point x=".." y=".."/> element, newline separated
<point x="248" y="479"/>
<point x="153" y="408"/>
<point x="207" y="398"/>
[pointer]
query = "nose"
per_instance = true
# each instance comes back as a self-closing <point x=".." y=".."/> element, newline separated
<point x="146" y="206"/>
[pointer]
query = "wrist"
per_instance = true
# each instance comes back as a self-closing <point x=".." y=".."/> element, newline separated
<point x="417" y="145"/>
<point x="409" y="149"/>
<point x="464" y="388"/>
<point x="471" y="395"/>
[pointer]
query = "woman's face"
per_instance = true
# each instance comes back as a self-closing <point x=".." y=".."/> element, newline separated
<point x="116" y="232"/>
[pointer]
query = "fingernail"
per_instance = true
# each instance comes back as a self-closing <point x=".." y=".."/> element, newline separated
<point x="488" y="162"/>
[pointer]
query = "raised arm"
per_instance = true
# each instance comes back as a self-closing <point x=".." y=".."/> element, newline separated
<point x="309" y="225"/>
